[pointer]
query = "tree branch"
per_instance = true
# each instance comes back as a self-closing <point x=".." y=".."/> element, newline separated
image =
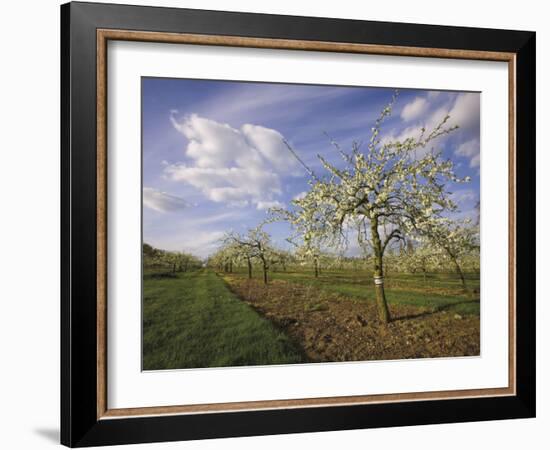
<point x="395" y="234"/>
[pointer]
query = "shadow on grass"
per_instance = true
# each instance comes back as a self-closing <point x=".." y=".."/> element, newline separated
<point x="438" y="309"/>
<point x="159" y="276"/>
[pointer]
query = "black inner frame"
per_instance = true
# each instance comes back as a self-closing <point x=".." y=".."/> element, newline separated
<point x="79" y="423"/>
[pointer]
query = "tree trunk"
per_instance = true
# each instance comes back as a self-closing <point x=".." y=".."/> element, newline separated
<point x="264" y="266"/>
<point x="381" y="303"/>
<point x="249" y="268"/>
<point x="316" y="265"/>
<point x="460" y="273"/>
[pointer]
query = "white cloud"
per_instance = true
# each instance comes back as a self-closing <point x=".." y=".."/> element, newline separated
<point x="235" y="166"/>
<point x="234" y="184"/>
<point x="199" y="243"/>
<point x="203" y="220"/>
<point x="470" y="150"/>
<point x="466" y="111"/>
<point x="266" y="205"/>
<point x="414" y="109"/>
<point x="415" y="131"/>
<point x="162" y="201"/>
<point x="299" y="196"/>
<point x="205" y="243"/>
<point x="266" y="102"/>
<point x="270" y="145"/>
<point x="464" y="196"/>
<point x="196" y="231"/>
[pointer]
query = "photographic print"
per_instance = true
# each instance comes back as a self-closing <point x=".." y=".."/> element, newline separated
<point x="294" y="224"/>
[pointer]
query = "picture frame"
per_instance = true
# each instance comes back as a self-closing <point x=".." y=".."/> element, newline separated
<point x="86" y="419"/>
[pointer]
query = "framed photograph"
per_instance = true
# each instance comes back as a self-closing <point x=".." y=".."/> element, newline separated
<point x="276" y="224"/>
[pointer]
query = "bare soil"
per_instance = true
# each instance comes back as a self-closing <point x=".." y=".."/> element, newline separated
<point x="331" y="327"/>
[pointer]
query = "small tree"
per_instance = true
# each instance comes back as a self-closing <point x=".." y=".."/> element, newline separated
<point x="282" y="258"/>
<point x="255" y="244"/>
<point x="169" y="261"/>
<point x="224" y="258"/>
<point x="309" y="255"/>
<point x="243" y="253"/>
<point x="456" y="239"/>
<point x="420" y="258"/>
<point x="395" y="185"/>
<point x="305" y="238"/>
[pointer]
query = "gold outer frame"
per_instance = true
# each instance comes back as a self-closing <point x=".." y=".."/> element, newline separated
<point x="104" y="35"/>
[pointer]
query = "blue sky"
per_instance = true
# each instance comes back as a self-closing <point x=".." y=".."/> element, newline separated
<point x="214" y="158"/>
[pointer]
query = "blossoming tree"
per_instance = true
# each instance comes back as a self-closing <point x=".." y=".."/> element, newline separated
<point x="390" y="190"/>
<point x="455" y="240"/>
<point x="255" y="244"/>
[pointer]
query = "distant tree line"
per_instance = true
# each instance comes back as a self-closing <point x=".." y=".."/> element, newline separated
<point x="168" y="262"/>
<point x="254" y="251"/>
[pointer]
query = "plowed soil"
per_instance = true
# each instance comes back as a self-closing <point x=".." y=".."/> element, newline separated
<point x="330" y="327"/>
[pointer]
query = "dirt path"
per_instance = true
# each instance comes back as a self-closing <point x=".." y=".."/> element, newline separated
<point x="331" y="327"/>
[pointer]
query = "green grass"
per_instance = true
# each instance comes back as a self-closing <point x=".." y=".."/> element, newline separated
<point x="193" y="320"/>
<point x="440" y="291"/>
